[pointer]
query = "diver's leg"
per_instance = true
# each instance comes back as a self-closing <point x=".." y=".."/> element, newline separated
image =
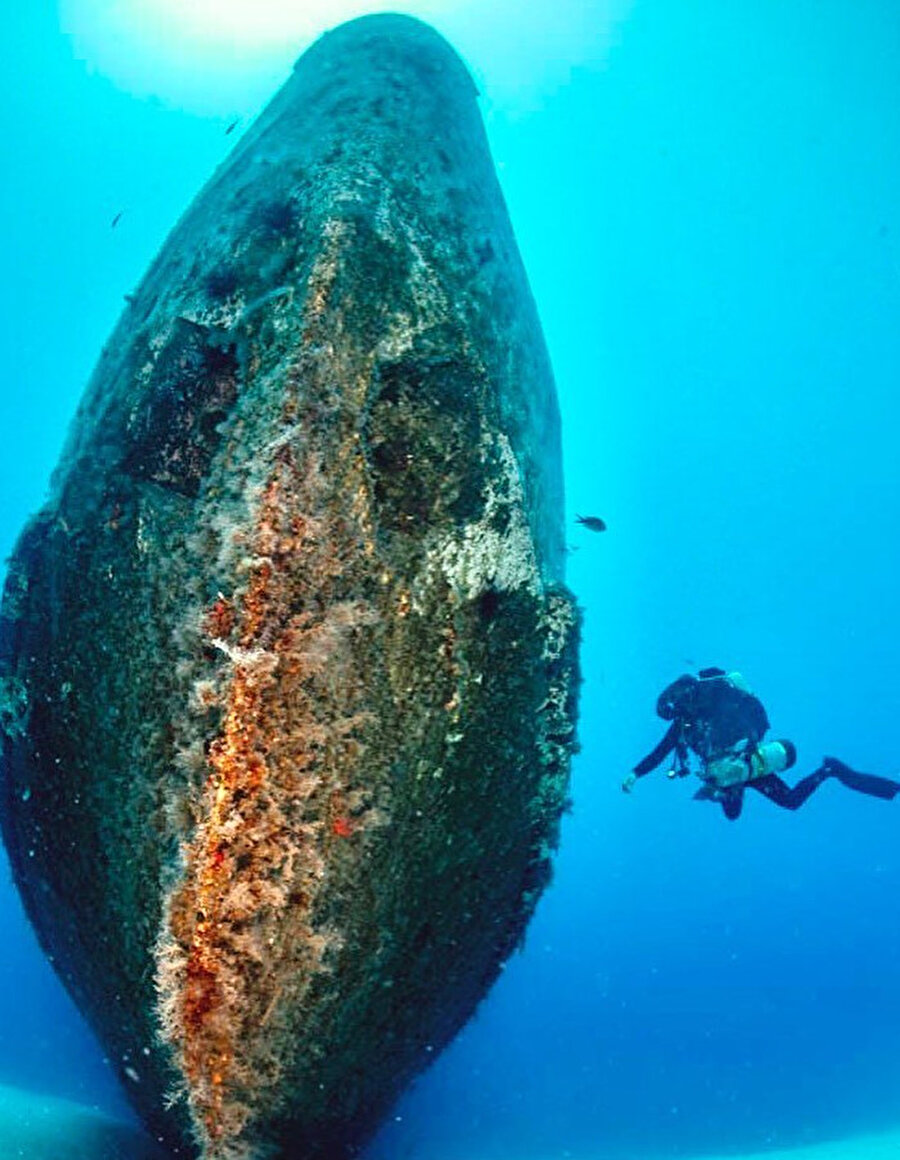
<point x="732" y="802"/>
<point x="880" y="787"/>
<point x="792" y="797"/>
<point x="786" y="796"/>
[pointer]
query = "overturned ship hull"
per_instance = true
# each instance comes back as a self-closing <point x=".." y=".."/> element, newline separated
<point x="287" y="667"/>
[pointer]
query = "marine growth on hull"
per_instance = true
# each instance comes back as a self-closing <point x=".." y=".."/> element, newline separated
<point x="287" y="665"/>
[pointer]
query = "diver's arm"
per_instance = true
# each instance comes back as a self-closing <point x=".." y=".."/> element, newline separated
<point x="655" y="757"/>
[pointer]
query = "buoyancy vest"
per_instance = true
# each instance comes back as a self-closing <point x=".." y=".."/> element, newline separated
<point x="716" y="714"/>
<point x="742" y="765"/>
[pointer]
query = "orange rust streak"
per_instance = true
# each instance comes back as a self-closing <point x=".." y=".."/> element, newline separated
<point x="233" y="764"/>
<point x="255" y="604"/>
<point x="249" y="863"/>
<point x="219" y="620"/>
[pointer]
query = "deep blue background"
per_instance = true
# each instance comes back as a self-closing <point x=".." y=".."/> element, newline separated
<point x="709" y="215"/>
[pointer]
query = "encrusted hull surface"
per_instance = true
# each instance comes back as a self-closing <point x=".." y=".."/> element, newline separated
<point x="287" y="667"/>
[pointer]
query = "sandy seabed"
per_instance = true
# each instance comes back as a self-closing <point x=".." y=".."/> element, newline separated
<point x="39" y="1127"/>
<point x="881" y="1147"/>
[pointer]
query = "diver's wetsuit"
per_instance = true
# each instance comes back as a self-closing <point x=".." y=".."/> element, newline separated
<point x="710" y="715"/>
<point x="715" y="716"/>
<point x="789" y="797"/>
<point x="793" y="797"/>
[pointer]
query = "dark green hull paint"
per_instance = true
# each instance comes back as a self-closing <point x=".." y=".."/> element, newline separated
<point x="287" y="666"/>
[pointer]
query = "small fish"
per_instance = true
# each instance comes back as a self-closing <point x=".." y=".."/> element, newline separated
<point x="116" y="220"/>
<point x="231" y="128"/>
<point x="592" y="523"/>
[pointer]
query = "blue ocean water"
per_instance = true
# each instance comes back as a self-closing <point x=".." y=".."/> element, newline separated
<point x="706" y="198"/>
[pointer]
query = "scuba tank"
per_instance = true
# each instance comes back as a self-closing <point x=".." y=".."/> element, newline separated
<point x="737" y="768"/>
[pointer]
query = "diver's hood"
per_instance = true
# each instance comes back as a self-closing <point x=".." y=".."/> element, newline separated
<point x="675" y="699"/>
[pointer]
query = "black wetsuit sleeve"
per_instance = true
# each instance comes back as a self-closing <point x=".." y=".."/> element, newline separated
<point x="657" y="755"/>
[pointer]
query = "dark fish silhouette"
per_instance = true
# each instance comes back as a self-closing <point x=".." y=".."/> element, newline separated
<point x="592" y="523"/>
<point x="116" y="220"/>
<point x="231" y="127"/>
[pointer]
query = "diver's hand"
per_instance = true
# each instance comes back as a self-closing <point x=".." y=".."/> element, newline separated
<point x="628" y="783"/>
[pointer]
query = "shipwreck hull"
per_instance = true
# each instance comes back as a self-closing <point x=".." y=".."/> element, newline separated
<point x="287" y="666"/>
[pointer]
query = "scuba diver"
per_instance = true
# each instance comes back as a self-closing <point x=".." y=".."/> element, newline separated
<point x="715" y="717"/>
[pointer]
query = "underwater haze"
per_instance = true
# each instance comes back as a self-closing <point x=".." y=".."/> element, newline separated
<point x="706" y="200"/>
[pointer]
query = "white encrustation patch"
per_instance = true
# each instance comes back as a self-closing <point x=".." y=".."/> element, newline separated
<point x="482" y="556"/>
<point x="559" y="620"/>
<point x="431" y="303"/>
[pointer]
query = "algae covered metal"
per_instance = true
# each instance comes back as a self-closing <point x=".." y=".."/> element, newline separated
<point x="287" y="666"/>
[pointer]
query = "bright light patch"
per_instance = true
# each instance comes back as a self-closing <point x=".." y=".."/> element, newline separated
<point x="252" y="25"/>
<point x="227" y="56"/>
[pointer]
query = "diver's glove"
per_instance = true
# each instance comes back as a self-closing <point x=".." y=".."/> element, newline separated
<point x="628" y="783"/>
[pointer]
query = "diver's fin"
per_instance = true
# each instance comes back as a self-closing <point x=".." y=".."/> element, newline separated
<point x="868" y="783"/>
